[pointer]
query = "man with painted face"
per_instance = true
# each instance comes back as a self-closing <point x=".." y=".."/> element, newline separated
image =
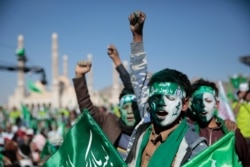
<point x="204" y="108"/>
<point x="166" y="140"/>
<point x="118" y="130"/>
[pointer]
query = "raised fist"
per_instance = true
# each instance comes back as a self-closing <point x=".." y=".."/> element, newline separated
<point x="82" y="68"/>
<point x="136" y="20"/>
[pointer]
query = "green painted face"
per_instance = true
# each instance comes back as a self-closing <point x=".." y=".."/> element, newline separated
<point x="167" y="88"/>
<point x="203" y="103"/>
<point x="126" y="109"/>
<point x="165" y="103"/>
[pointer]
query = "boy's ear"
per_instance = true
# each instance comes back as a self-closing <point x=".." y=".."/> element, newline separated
<point x="185" y="104"/>
<point x="217" y="103"/>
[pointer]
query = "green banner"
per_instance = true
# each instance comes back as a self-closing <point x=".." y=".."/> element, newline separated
<point x="221" y="153"/>
<point x="33" y="88"/>
<point x="26" y="115"/>
<point x="85" y="145"/>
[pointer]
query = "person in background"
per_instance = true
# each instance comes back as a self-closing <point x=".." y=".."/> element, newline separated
<point x="167" y="138"/>
<point x="14" y="115"/>
<point x="118" y="130"/>
<point x="243" y="117"/>
<point x="243" y="88"/>
<point x="205" y="105"/>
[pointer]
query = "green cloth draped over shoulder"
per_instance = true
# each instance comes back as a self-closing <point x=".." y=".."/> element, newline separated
<point x="165" y="153"/>
<point x="221" y="153"/>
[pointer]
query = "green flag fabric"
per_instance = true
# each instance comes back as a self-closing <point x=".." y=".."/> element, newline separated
<point x="33" y="88"/>
<point x="20" y="52"/>
<point x="26" y="115"/>
<point x="48" y="150"/>
<point x="236" y="80"/>
<point x="221" y="153"/>
<point x="85" y="145"/>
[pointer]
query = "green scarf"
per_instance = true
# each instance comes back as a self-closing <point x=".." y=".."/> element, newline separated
<point x="165" y="153"/>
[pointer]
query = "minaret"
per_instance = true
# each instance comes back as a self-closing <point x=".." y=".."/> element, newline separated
<point x="65" y="66"/>
<point x="55" y="67"/>
<point x="21" y="64"/>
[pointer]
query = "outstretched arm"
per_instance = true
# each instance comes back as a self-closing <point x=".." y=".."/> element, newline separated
<point x="138" y="62"/>
<point x="124" y="75"/>
<point x="139" y="74"/>
<point x="80" y="85"/>
<point x="105" y="120"/>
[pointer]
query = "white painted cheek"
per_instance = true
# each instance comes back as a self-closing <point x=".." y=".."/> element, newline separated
<point x="173" y="113"/>
<point x="209" y="107"/>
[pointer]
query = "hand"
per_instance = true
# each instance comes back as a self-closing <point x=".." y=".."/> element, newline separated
<point x="241" y="96"/>
<point x="114" y="55"/>
<point x="136" y="20"/>
<point x="6" y="161"/>
<point x="230" y="125"/>
<point x="82" y="68"/>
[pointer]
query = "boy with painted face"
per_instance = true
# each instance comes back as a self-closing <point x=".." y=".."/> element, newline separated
<point x="204" y="106"/>
<point x="118" y="130"/>
<point x="165" y="101"/>
<point x="167" y="139"/>
<point x="129" y="110"/>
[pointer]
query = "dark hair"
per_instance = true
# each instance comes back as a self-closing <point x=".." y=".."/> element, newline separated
<point x="172" y="75"/>
<point x="201" y="82"/>
<point x="245" y="95"/>
<point x="125" y="92"/>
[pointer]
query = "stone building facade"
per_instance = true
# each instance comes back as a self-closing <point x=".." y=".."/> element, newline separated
<point x="61" y="93"/>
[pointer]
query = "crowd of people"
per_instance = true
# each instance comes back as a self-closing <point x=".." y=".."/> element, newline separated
<point x="162" y="120"/>
<point x="28" y="142"/>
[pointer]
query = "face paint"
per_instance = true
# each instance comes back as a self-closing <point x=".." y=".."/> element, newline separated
<point x="204" y="104"/>
<point x="126" y="110"/>
<point x="167" y="88"/>
<point x="165" y="103"/>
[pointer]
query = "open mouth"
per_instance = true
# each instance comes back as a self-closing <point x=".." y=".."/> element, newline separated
<point x="204" y="113"/>
<point x="130" y="118"/>
<point x="161" y="114"/>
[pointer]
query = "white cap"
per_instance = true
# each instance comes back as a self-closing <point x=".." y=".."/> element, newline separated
<point x="30" y="132"/>
<point x="244" y="87"/>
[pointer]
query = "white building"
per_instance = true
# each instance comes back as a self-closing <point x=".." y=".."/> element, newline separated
<point x="62" y="93"/>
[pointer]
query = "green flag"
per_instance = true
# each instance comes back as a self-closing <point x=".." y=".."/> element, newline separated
<point x="26" y="115"/>
<point x="33" y="88"/>
<point x="85" y="145"/>
<point x="48" y="150"/>
<point x="221" y="153"/>
<point x="235" y="81"/>
<point x="20" y="52"/>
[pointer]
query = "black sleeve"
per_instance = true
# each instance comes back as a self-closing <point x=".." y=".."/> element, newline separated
<point x="125" y="77"/>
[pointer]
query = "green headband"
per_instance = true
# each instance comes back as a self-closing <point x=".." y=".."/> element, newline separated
<point x="204" y="89"/>
<point x="167" y="88"/>
<point x="127" y="99"/>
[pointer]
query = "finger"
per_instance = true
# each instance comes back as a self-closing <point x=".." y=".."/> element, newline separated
<point x="135" y="18"/>
<point x="82" y="63"/>
<point x="110" y="51"/>
<point x="89" y="63"/>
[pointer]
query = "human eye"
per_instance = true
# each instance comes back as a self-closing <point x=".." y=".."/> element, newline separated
<point x="155" y="98"/>
<point x="125" y="106"/>
<point x="208" y="100"/>
<point x="170" y="97"/>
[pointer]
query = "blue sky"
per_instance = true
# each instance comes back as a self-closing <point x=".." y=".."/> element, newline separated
<point x="203" y="38"/>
